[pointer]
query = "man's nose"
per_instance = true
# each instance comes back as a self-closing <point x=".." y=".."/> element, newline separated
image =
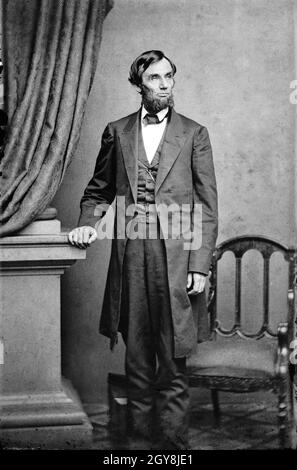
<point x="163" y="83"/>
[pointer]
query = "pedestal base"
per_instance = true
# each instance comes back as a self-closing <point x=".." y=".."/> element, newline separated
<point x="48" y="421"/>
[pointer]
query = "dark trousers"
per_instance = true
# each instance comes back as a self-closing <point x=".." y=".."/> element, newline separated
<point x="158" y="396"/>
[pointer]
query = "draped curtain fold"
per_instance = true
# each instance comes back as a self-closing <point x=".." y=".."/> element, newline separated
<point x="50" y="56"/>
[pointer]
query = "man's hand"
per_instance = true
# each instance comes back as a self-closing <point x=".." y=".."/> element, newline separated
<point x="197" y="283"/>
<point x="82" y="237"/>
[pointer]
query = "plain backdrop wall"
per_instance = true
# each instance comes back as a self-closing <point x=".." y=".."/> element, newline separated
<point x="235" y="62"/>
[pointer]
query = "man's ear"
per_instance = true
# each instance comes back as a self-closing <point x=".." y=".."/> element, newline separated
<point x="138" y="89"/>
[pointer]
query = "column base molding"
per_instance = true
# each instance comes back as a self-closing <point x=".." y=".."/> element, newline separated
<point x="44" y="421"/>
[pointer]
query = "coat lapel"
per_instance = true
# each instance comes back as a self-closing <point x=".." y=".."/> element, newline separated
<point x="173" y="143"/>
<point x="129" y="145"/>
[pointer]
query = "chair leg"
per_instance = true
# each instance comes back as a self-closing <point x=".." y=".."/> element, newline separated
<point x="293" y="420"/>
<point x="282" y="418"/>
<point x="216" y="406"/>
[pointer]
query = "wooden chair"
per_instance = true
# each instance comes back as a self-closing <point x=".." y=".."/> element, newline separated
<point x="237" y="361"/>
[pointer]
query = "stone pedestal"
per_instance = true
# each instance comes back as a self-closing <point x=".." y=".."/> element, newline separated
<point x="37" y="408"/>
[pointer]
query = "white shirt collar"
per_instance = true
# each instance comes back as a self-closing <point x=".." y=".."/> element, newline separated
<point x="160" y="114"/>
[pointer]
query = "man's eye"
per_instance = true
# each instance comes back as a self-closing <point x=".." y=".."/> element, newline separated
<point x="154" y="77"/>
<point x="169" y="75"/>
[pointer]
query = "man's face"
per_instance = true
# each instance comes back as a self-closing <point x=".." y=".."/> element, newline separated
<point x="157" y="85"/>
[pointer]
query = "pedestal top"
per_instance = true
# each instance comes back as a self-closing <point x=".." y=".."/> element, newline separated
<point x="39" y="248"/>
<point x="35" y="239"/>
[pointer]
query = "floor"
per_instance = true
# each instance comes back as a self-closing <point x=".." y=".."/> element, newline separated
<point x="250" y="422"/>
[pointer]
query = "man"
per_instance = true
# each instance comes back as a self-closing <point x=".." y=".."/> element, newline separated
<point x="154" y="159"/>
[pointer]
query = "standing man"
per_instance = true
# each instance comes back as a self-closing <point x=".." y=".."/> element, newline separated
<point x="160" y="163"/>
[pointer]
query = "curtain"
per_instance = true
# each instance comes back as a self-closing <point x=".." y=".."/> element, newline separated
<point x="50" y="56"/>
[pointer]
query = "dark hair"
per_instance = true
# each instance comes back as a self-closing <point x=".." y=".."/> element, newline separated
<point x="142" y="62"/>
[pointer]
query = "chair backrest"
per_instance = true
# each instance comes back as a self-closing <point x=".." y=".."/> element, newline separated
<point x="239" y="246"/>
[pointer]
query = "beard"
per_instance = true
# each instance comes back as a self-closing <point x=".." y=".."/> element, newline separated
<point x="155" y="105"/>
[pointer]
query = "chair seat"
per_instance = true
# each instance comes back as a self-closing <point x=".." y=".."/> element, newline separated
<point x="234" y="357"/>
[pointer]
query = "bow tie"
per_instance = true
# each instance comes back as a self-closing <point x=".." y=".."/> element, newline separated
<point x="153" y="119"/>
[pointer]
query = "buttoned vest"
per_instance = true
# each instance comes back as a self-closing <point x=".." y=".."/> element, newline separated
<point x="147" y="172"/>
